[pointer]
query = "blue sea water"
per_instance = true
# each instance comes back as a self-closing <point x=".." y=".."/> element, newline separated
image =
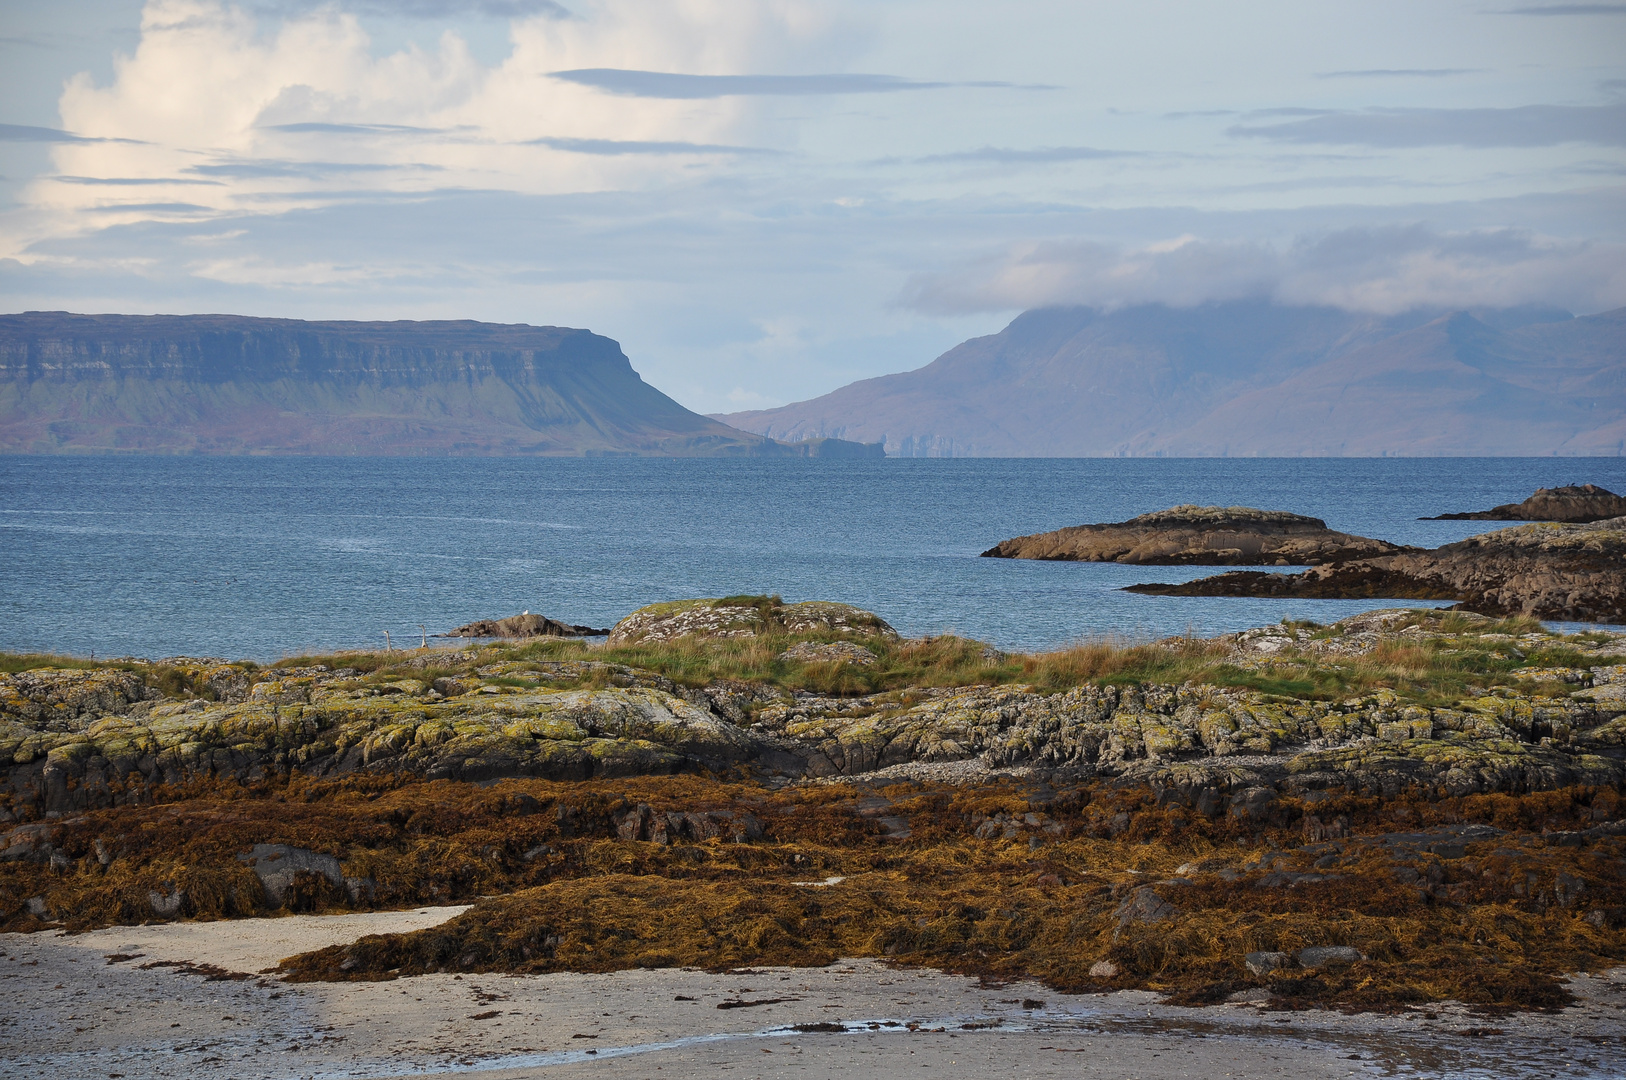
<point x="267" y="557"/>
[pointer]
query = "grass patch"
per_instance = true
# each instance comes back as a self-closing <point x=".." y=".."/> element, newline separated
<point x="1450" y="659"/>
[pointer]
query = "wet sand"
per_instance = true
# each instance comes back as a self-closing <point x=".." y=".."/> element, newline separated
<point x="67" y="1010"/>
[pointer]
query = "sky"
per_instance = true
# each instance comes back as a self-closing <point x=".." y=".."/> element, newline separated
<point x="763" y="200"/>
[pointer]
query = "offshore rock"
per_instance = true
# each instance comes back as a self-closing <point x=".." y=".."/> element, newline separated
<point x="745" y="617"/>
<point x="1572" y="503"/>
<point x="1571" y="572"/>
<point x="522" y="626"/>
<point x="1199" y="536"/>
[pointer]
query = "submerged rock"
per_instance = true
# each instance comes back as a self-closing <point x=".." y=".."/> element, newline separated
<point x="1572" y="572"/>
<point x="1199" y="536"/>
<point x="1572" y="503"/>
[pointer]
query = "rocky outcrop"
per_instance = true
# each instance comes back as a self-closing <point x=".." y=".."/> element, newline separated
<point x="317" y="722"/>
<point x="1220" y="750"/>
<point x="1573" y="503"/>
<point x="524" y="625"/>
<point x="828" y="652"/>
<point x="745" y="617"/>
<point x="1555" y="571"/>
<point x="1199" y="536"/>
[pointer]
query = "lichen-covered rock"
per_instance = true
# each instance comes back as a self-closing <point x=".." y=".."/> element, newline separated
<point x="52" y="698"/>
<point x="75" y="739"/>
<point x="828" y="652"/>
<point x="742" y="617"/>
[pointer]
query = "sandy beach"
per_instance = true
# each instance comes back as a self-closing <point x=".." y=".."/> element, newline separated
<point x="171" y="1000"/>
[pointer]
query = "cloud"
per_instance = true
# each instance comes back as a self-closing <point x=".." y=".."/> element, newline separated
<point x="613" y="147"/>
<point x="1566" y="9"/>
<point x="424" y="9"/>
<point x="26" y="133"/>
<point x="1040" y="156"/>
<point x="266" y="169"/>
<point x="132" y="181"/>
<point x="1399" y="73"/>
<point x="1384" y="269"/>
<point x="151" y="208"/>
<point x="319" y="128"/>
<point x="671" y="85"/>
<point x="1525" y="125"/>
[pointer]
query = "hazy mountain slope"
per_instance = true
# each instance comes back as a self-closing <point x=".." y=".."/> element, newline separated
<point x="1243" y="378"/>
<point x="1453" y="386"/>
<point x="230" y="384"/>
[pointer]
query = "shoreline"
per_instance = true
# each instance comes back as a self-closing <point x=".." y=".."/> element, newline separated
<point x="74" y="1012"/>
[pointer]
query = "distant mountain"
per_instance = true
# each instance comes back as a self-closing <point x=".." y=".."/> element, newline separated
<point x="231" y="384"/>
<point x="1245" y="378"/>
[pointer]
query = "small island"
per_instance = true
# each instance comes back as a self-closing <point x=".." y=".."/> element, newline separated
<point x="1575" y="503"/>
<point x="1199" y="536"/>
<point x="1570" y="572"/>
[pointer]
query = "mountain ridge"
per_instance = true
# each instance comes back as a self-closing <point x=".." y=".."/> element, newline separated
<point x="1244" y="378"/>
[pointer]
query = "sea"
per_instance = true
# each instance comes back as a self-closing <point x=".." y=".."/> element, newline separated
<point x="265" y="558"/>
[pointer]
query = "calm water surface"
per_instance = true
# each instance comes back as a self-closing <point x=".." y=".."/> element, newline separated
<point x="264" y="557"/>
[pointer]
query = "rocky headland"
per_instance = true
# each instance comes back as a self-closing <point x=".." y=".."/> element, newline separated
<point x="1405" y="806"/>
<point x="1578" y="503"/>
<point x="1571" y="572"/>
<point x="1199" y="536"/>
<point x="229" y="384"/>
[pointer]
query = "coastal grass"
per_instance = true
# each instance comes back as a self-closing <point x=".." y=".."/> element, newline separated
<point x="1454" y="656"/>
<point x="976" y="887"/>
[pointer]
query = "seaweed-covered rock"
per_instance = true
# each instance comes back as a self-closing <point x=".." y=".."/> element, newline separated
<point x="279" y="866"/>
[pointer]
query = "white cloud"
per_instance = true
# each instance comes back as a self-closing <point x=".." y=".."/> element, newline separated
<point x="304" y="111"/>
<point x="1386" y="270"/>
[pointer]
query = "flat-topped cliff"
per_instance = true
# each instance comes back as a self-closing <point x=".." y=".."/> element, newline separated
<point x="233" y="384"/>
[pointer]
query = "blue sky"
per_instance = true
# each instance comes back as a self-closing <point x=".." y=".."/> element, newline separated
<point x="765" y="200"/>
